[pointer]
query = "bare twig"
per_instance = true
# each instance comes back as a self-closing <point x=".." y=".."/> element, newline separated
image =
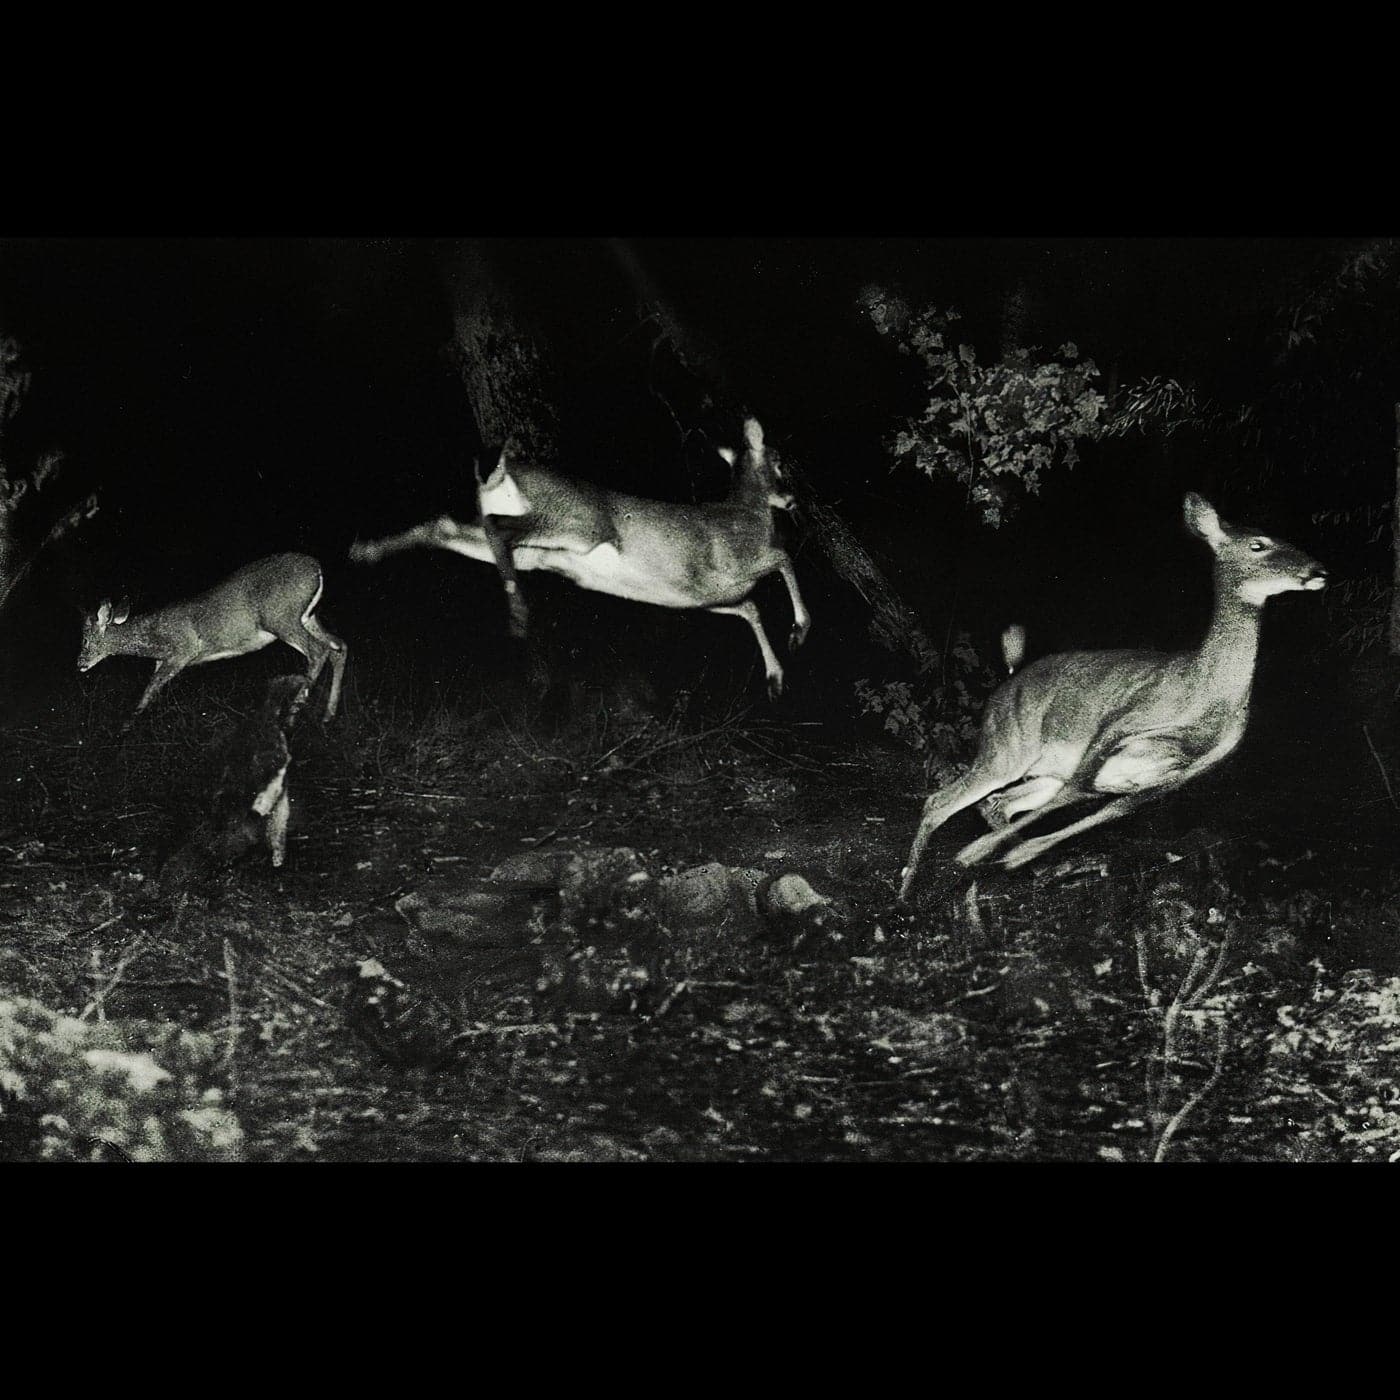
<point x="1194" y="986"/>
<point x="1385" y="777"/>
<point x="232" y="979"/>
<point x="82" y="511"/>
<point x="1189" y="1107"/>
<point x="294" y="986"/>
<point x="100" y="996"/>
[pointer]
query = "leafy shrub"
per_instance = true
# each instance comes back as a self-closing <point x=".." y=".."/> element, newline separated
<point x="71" y="1090"/>
<point x="1334" y="1066"/>
<point x="988" y="427"/>
<point x="938" y="719"/>
<point x="995" y="430"/>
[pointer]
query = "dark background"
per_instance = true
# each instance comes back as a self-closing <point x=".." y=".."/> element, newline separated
<point x="230" y="397"/>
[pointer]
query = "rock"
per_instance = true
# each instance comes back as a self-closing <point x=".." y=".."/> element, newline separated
<point x="537" y="869"/>
<point x="606" y="895"/>
<point x="791" y="894"/>
<point x="480" y="917"/>
<point x="712" y="896"/>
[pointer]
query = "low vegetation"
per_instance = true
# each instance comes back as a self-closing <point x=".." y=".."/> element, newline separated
<point x="1200" y="983"/>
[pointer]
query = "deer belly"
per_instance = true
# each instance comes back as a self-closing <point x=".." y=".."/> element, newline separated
<point x="640" y="579"/>
<point x="1141" y="763"/>
<point x="257" y="642"/>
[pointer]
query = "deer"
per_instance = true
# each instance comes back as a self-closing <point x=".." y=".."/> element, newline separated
<point x="271" y="599"/>
<point x="705" y="557"/>
<point x="1129" y="726"/>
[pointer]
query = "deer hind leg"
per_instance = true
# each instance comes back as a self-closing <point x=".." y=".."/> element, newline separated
<point x="998" y="810"/>
<point x="972" y="787"/>
<point x="332" y="649"/>
<point x="771" y="667"/>
<point x="434" y="534"/>
<point x="801" y="618"/>
<point x="1038" y="845"/>
<point x="979" y="850"/>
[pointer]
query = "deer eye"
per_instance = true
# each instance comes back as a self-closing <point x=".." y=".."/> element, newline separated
<point x="1258" y="545"/>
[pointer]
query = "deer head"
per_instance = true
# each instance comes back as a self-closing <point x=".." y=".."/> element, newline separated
<point x="1253" y="566"/>
<point x="97" y="643"/>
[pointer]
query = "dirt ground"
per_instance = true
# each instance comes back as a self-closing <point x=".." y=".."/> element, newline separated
<point x="1214" y="979"/>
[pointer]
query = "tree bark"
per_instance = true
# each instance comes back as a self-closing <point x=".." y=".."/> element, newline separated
<point x="1395" y="548"/>
<point x="507" y="375"/>
<point x="893" y="623"/>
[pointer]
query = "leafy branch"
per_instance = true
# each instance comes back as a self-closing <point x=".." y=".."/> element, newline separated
<point x="992" y="428"/>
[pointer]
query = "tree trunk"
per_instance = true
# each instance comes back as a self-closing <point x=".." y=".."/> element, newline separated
<point x="506" y="371"/>
<point x="893" y="623"/>
<point x="1395" y="548"/>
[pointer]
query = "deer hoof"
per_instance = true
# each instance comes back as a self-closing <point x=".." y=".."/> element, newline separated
<point x="798" y="635"/>
<point x="775" y="685"/>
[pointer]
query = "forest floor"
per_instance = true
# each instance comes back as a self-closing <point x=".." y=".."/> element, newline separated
<point x="1216" y="979"/>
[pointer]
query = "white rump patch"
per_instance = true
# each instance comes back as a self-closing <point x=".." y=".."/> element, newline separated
<point x="315" y="598"/>
<point x="499" y="495"/>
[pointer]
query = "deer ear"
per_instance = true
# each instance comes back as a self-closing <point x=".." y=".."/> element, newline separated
<point x="1201" y="519"/>
<point x="728" y="454"/>
<point x="753" y="435"/>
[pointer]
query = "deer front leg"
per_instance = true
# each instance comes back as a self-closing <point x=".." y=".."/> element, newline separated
<point x="771" y="668"/>
<point x="946" y="803"/>
<point x="801" y="618"/>
<point x="166" y="671"/>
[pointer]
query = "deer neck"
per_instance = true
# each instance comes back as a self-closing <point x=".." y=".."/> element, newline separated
<point x="749" y="490"/>
<point x="1225" y="663"/>
<point x="133" y="639"/>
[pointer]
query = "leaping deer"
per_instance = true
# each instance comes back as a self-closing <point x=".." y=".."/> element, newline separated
<point x="706" y="556"/>
<point x="270" y="600"/>
<point x="1126" y="725"/>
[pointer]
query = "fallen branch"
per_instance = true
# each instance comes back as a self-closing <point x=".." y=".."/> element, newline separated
<point x="100" y="997"/>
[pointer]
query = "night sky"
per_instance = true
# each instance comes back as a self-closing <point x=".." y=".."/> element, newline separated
<point x="232" y="397"/>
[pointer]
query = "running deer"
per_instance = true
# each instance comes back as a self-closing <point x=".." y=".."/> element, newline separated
<point x="676" y="556"/>
<point x="1126" y="725"/>
<point x="270" y="600"/>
